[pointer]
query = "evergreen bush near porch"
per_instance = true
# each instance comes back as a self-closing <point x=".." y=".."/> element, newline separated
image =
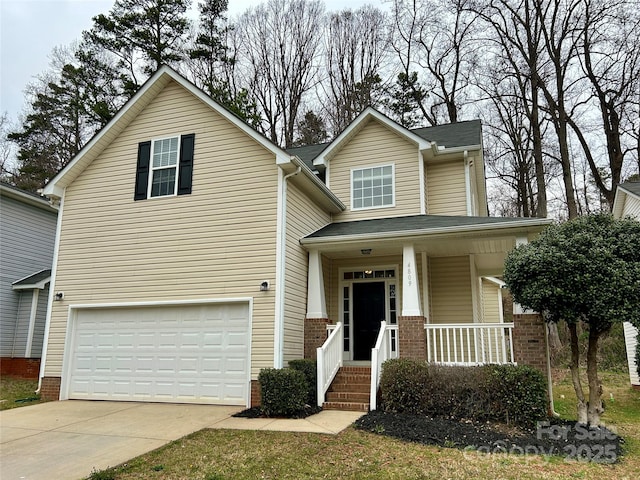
<point x="505" y="393"/>
<point x="309" y="368"/>
<point x="283" y="392"/>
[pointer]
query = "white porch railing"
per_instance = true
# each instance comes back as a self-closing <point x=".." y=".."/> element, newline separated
<point x="386" y="347"/>
<point x="329" y="359"/>
<point x="469" y="343"/>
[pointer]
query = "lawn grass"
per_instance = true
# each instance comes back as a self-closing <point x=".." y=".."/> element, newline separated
<point x="12" y="389"/>
<point x="355" y="454"/>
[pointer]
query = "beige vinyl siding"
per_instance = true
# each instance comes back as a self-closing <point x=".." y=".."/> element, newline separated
<point x="631" y="207"/>
<point x="376" y="145"/>
<point x="303" y="217"/>
<point x="219" y="242"/>
<point x="446" y="190"/>
<point x="490" y="301"/>
<point x="450" y="298"/>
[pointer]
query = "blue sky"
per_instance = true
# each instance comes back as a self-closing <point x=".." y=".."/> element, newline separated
<point x="30" y="29"/>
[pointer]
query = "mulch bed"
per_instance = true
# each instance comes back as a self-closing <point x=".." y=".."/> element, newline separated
<point x="256" y="412"/>
<point x="555" y="437"/>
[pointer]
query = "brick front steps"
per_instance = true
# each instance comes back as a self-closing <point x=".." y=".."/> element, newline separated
<point x="350" y="390"/>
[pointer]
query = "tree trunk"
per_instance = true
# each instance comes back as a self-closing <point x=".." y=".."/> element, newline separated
<point x="575" y="374"/>
<point x="595" y="387"/>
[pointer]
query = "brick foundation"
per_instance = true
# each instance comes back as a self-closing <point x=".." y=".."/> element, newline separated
<point x="255" y="399"/>
<point x="27" y="368"/>
<point x="529" y="345"/>
<point x="315" y="333"/>
<point x="50" y="389"/>
<point x="412" y="338"/>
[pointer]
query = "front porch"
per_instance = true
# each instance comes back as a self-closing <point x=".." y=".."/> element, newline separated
<point x="435" y="297"/>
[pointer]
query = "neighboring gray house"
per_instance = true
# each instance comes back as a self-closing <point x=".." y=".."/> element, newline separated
<point x="27" y="237"/>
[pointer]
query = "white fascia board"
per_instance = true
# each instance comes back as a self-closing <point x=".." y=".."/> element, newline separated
<point x="437" y="150"/>
<point x="618" y="202"/>
<point x="416" y="234"/>
<point x="369" y="112"/>
<point x="32" y="286"/>
<point x="495" y="280"/>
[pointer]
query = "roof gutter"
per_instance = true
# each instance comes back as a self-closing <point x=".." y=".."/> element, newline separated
<point x="302" y="167"/>
<point x="430" y="231"/>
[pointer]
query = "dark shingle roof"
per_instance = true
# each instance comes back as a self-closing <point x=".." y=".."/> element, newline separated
<point x="458" y="134"/>
<point x="633" y="187"/>
<point x="411" y="223"/>
<point x="33" y="279"/>
<point x="308" y="153"/>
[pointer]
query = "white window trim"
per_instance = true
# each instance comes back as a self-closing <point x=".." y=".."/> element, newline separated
<point x="151" y="169"/>
<point x="393" y="186"/>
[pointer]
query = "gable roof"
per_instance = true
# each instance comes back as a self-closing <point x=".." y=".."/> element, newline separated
<point x="449" y="136"/>
<point x="143" y="97"/>
<point x="622" y="191"/>
<point x="358" y="124"/>
<point x="417" y="225"/>
<point x="35" y="280"/>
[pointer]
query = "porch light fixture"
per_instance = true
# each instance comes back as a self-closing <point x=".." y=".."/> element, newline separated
<point x="264" y="286"/>
<point x="365" y="251"/>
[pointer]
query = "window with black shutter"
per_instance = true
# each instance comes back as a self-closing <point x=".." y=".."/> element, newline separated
<point x="165" y="167"/>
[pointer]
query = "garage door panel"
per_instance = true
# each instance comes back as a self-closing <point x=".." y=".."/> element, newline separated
<point x="194" y="354"/>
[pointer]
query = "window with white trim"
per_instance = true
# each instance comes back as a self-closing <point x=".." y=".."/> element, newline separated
<point x="164" y="163"/>
<point x="372" y="187"/>
<point x="165" y="167"/>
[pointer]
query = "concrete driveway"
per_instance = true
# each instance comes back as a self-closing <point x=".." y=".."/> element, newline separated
<point x="68" y="439"/>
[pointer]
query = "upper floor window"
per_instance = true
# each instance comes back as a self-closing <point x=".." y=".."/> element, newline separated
<point x="372" y="187"/>
<point x="165" y="167"/>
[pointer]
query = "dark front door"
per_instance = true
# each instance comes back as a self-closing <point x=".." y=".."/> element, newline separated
<point x="368" y="312"/>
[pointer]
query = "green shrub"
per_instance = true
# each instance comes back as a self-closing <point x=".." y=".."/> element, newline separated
<point x="403" y="384"/>
<point x="506" y="393"/>
<point x="519" y="394"/>
<point x="283" y="392"/>
<point x="308" y="367"/>
<point x="459" y="392"/>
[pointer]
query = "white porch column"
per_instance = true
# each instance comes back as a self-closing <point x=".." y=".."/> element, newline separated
<point x="410" y="287"/>
<point x="316" y="304"/>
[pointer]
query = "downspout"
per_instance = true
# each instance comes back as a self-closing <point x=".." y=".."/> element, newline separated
<point x="467" y="183"/>
<point x="278" y="340"/>
<point x="52" y="289"/>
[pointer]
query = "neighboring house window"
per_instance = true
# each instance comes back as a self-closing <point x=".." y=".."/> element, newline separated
<point x="372" y="187"/>
<point x="165" y="167"/>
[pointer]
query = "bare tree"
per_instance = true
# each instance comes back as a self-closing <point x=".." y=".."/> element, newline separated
<point x="517" y="45"/>
<point x="356" y="42"/>
<point x="436" y="41"/>
<point x="281" y="42"/>
<point x="610" y="59"/>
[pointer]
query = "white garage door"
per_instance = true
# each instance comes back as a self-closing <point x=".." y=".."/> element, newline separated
<point x="182" y="354"/>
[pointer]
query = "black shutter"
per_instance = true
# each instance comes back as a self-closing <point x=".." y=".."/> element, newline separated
<point x="142" y="172"/>
<point x="186" y="163"/>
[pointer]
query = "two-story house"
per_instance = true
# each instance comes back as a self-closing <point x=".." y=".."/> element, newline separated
<point x="193" y="252"/>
